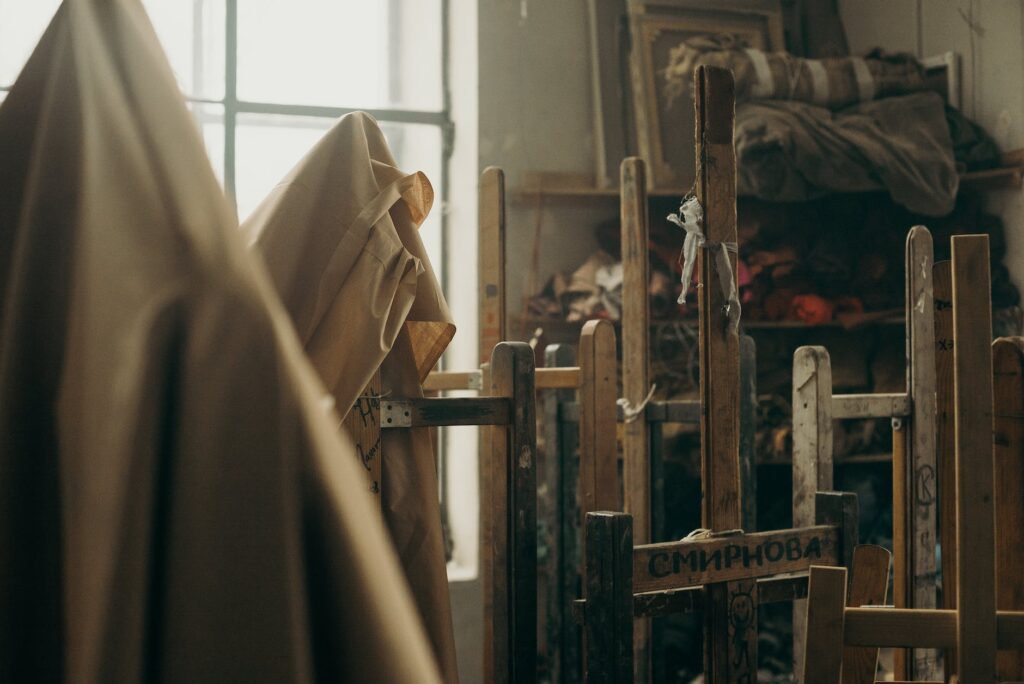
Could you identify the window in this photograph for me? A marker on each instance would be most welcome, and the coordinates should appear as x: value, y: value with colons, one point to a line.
x: 265, y: 79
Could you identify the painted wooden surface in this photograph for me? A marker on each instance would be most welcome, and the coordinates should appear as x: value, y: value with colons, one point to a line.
x: 636, y: 473
x: 869, y: 580
x: 728, y: 557
x: 609, y: 624
x: 972, y: 372
x: 945, y: 437
x: 1008, y: 445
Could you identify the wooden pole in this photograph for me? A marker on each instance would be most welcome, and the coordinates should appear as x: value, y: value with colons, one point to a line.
x: 868, y: 584
x: 1008, y: 438
x: 945, y: 438
x: 491, y: 264
x: 921, y: 464
x: 636, y: 373
x: 599, y: 466
x: 900, y: 538
x: 812, y: 454
x: 730, y: 636
x: 972, y: 366
x: 513, y: 640
x: 826, y: 594
x: 609, y: 574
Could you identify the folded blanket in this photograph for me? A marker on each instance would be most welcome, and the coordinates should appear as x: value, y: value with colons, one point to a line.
x: 793, y: 151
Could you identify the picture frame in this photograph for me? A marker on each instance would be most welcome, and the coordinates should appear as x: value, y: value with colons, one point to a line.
x: 664, y: 126
x: 614, y: 130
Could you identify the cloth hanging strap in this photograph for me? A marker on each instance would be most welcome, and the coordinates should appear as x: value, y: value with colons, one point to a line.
x: 691, y: 219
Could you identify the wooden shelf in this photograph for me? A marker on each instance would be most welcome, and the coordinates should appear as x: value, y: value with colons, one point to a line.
x: 557, y: 185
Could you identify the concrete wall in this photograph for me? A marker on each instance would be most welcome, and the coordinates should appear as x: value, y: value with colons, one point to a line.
x: 989, y: 37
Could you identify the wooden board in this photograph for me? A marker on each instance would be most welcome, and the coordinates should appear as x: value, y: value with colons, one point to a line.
x: 900, y: 539
x: 599, y: 462
x: 682, y: 564
x: 439, y: 412
x: 972, y: 367
x: 869, y: 581
x: 921, y: 463
x: 1008, y: 439
x: 945, y: 437
x: 491, y: 261
x: 636, y: 373
x: 513, y: 628
x: 826, y: 595
x: 363, y: 426
x: 730, y: 634
x: 812, y: 453
x: 609, y: 624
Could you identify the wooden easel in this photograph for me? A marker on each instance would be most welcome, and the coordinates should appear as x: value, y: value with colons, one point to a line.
x: 913, y: 413
x: 622, y: 580
x: 976, y: 628
x: 510, y: 554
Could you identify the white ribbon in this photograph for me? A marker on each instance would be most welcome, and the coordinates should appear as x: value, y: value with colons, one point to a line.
x: 629, y: 412
x: 691, y: 219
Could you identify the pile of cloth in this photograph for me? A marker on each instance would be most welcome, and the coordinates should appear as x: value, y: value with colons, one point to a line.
x: 177, y: 500
x: 808, y: 127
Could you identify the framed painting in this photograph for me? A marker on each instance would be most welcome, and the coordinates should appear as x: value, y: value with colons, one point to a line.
x: 664, y: 119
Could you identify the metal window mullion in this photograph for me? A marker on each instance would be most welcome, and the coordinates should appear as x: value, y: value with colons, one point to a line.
x: 230, y: 94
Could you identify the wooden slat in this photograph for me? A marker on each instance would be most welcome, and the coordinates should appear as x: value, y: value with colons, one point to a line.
x: 921, y: 463
x: 721, y: 559
x: 972, y: 359
x: 363, y: 426
x: 826, y: 593
x: 748, y: 432
x: 1008, y: 439
x: 847, y: 406
x: 869, y: 581
x: 945, y: 437
x: 900, y: 538
x: 636, y: 371
x: 431, y: 412
x: 609, y: 624
x: 812, y: 453
x: 491, y: 261
x: 515, y: 567
x: 923, y: 628
x: 562, y: 525
x: 599, y: 463
x: 730, y: 635
x: 445, y: 381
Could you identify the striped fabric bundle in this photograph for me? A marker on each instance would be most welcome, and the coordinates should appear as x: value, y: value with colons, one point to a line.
x: 834, y: 83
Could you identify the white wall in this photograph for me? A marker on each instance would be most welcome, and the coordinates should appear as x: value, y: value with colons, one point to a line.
x: 536, y: 115
x: 989, y: 37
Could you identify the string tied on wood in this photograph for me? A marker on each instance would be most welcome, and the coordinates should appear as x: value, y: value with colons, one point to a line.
x: 691, y: 219
x: 630, y: 412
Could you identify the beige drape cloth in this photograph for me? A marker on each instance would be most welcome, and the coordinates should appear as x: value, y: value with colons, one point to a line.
x: 340, y: 238
x: 175, y: 504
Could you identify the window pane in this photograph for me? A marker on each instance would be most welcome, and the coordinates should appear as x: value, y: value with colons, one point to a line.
x: 382, y: 54
x: 210, y: 118
x: 268, y: 146
x: 22, y: 23
x: 192, y: 34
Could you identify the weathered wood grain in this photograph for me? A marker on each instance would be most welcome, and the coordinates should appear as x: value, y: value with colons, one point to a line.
x: 609, y: 624
x: 599, y: 463
x: 1008, y: 439
x: 869, y: 580
x: 826, y: 598
x: 636, y: 471
x: 945, y: 437
x: 972, y: 368
x: 491, y: 261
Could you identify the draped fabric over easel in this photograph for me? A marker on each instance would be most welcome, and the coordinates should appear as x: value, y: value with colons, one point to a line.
x: 176, y: 505
x: 340, y: 239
